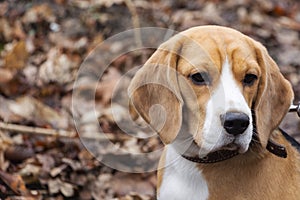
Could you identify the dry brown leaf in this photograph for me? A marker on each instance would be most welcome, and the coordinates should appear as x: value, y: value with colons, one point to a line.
x: 18, y: 30
x: 290, y: 23
x: 30, y: 173
x: 67, y: 189
x: 6, y: 114
x: 32, y: 109
x: 18, y: 153
x: 135, y: 196
x: 15, y: 182
x: 4, y: 164
x: 3, y: 7
x: 54, y: 186
x: 5, y: 29
x: 58, y: 68
x: 6, y: 75
x: 107, y: 85
x: 47, y: 162
x: 87, y: 4
x: 124, y: 184
x: 36, y: 197
x: 290, y: 56
x: 17, y: 57
x: 38, y: 13
x: 57, y: 170
x: 65, y: 42
x: 101, y: 184
x: 57, y: 185
x: 75, y: 165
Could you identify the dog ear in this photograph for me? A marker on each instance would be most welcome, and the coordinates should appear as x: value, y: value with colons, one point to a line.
x: 155, y: 94
x: 274, y: 96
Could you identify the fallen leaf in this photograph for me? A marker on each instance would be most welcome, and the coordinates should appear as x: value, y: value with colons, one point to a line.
x: 18, y: 153
x: 6, y: 114
x: 18, y: 30
x: 75, y: 165
x: 101, y: 184
x: 15, y: 182
x: 4, y: 164
x: 3, y: 8
x: 57, y: 185
x: 32, y: 109
x: 73, y: 28
x: 54, y: 186
x: 17, y: 57
x: 289, y: 56
x: 5, y: 29
x: 39, y: 12
x: 67, y: 189
x: 57, y: 170
x: 135, y: 196
x: 6, y: 75
x: 107, y: 85
x: 30, y: 173
x: 123, y: 184
x: 68, y: 43
x: 58, y: 67
x: 47, y: 162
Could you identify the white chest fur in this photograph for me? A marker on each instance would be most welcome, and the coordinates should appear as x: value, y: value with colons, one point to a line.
x: 182, y: 180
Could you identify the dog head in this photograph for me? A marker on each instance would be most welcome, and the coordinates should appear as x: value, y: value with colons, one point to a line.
x: 204, y: 84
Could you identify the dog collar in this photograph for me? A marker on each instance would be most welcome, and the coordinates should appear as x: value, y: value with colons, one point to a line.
x: 213, y: 157
x: 222, y: 155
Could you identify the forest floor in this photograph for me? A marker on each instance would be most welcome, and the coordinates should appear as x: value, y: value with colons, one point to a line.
x: 61, y: 62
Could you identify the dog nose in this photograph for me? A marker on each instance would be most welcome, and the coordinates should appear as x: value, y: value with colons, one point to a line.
x: 235, y: 123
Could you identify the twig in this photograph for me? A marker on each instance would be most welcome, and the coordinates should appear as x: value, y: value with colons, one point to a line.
x: 135, y: 22
x: 58, y: 133
x: 35, y: 130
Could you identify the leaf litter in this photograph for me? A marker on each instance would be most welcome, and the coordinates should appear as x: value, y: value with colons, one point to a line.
x: 42, y: 46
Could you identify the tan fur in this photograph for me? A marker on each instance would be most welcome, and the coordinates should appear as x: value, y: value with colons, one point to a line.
x: 257, y: 174
x: 162, y: 92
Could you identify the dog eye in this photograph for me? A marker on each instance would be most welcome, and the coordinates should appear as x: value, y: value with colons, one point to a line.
x: 249, y: 79
x: 200, y: 78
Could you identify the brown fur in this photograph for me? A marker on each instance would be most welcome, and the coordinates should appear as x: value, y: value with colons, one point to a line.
x: 257, y: 174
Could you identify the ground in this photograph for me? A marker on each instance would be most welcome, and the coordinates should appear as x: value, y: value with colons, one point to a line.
x: 49, y: 146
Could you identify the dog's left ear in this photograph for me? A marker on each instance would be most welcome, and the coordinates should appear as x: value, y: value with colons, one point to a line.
x: 154, y: 91
x: 274, y: 96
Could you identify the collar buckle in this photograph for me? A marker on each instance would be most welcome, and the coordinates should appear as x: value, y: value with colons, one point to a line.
x: 295, y: 108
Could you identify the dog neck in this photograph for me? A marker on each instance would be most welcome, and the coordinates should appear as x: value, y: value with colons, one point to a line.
x: 222, y: 155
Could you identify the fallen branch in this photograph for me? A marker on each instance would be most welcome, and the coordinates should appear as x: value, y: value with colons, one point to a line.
x: 135, y: 22
x: 59, y: 133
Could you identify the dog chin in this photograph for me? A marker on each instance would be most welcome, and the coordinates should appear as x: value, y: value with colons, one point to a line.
x: 233, y: 146
x: 243, y: 148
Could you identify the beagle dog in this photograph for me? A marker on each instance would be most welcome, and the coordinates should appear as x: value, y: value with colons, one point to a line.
x: 216, y: 99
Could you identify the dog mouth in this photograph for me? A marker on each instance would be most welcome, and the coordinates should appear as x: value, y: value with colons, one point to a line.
x: 230, y: 147
x: 234, y: 146
x: 240, y: 148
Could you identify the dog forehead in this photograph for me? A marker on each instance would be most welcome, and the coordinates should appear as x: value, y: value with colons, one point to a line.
x: 217, y: 34
x: 212, y: 46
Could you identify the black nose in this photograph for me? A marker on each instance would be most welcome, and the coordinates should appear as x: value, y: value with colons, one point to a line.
x: 235, y: 123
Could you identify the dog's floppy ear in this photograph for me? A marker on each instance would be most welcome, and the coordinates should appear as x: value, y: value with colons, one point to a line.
x: 155, y: 94
x: 274, y: 96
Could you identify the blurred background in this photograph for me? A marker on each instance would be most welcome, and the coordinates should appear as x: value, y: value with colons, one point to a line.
x: 42, y: 46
